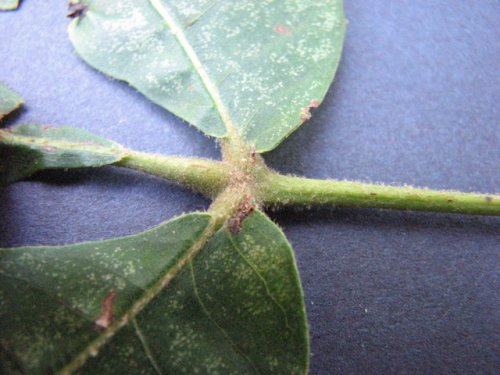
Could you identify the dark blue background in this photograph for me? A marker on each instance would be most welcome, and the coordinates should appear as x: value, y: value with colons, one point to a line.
x: 415, y: 101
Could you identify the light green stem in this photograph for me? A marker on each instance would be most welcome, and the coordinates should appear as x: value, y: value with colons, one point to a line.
x: 286, y: 190
x: 209, y: 177
x: 272, y: 189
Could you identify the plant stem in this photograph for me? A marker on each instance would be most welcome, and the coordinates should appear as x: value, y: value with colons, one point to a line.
x: 206, y: 176
x: 287, y: 190
x: 212, y: 177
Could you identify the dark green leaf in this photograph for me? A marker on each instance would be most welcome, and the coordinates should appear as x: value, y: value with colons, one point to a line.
x: 9, y: 100
x: 236, y: 309
x: 256, y: 67
x: 51, y: 296
x: 25, y: 149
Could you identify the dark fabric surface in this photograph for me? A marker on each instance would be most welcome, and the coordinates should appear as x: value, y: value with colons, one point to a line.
x: 415, y: 101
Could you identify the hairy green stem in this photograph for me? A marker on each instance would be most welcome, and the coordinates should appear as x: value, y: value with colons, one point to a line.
x: 209, y: 177
x: 272, y: 189
x: 287, y: 190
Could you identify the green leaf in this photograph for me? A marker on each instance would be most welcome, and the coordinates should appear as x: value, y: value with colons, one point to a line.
x: 9, y: 100
x: 51, y: 296
x: 236, y: 309
x: 9, y: 4
x: 25, y: 149
x: 255, y: 67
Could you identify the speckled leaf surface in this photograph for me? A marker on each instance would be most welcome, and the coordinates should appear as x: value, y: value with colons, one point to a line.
x: 9, y: 100
x: 50, y: 296
x: 254, y: 66
x: 25, y: 149
x: 236, y: 309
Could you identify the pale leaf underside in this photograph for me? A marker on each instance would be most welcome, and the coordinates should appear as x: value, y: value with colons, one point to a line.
x: 255, y: 66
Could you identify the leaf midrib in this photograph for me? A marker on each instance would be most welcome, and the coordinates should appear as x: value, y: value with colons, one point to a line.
x: 6, y: 137
x: 198, y: 67
x: 92, y: 348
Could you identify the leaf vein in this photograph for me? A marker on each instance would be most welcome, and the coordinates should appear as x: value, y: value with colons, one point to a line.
x: 210, y: 86
x: 264, y: 282
x: 212, y: 320
x: 40, y: 141
x: 93, y: 347
x: 145, y: 346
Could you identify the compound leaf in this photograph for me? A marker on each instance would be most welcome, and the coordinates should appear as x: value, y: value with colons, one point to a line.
x: 256, y: 67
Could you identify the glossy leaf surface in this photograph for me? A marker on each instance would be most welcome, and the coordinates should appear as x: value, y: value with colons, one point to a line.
x: 236, y: 309
x: 9, y: 100
x: 254, y: 66
x: 25, y: 149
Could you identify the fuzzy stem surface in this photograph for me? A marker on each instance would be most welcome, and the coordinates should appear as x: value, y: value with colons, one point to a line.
x: 208, y: 177
x: 211, y: 178
x: 296, y: 191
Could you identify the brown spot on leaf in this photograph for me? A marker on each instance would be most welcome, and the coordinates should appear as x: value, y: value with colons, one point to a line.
x: 76, y: 9
x: 373, y: 194
x: 488, y: 199
x: 245, y: 208
x: 306, y: 111
x: 105, y: 318
x: 198, y: 166
x: 280, y: 29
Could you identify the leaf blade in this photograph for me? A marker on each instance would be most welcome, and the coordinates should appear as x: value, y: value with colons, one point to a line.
x: 9, y: 99
x: 267, y: 69
x: 28, y: 148
x: 65, y: 307
x: 242, y: 330
x: 238, y: 330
